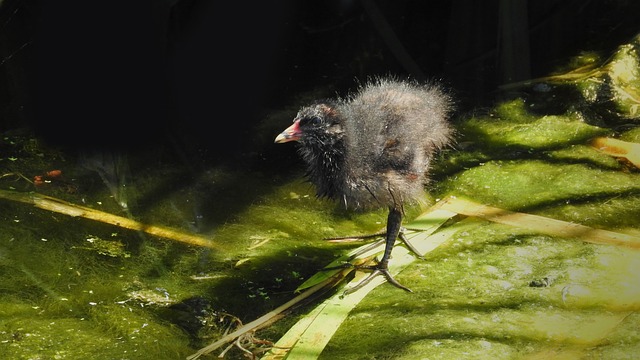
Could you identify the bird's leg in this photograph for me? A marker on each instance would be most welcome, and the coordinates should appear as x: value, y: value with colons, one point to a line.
x: 394, y: 222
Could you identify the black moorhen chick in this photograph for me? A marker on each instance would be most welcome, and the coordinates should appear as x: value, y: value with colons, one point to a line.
x: 373, y: 149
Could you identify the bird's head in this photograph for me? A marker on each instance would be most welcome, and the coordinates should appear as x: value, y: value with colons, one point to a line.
x: 318, y: 122
x: 318, y: 129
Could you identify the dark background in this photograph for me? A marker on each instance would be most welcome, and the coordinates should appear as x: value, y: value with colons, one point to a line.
x: 201, y: 75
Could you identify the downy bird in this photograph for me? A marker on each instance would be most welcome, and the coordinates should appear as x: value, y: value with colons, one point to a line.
x: 373, y: 149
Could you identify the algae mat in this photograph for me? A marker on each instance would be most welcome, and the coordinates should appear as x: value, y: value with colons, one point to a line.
x: 75, y: 288
x: 307, y: 339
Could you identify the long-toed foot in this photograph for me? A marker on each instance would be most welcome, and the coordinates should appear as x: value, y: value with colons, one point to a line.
x: 376, y: 270
x: 401, y: 236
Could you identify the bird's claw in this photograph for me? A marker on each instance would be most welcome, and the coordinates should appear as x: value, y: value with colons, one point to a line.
x: 401, y: 236
x: 409, y: 246
x: 377, y: 270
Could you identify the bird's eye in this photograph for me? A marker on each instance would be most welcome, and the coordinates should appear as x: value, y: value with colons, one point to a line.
x: 311, y: 120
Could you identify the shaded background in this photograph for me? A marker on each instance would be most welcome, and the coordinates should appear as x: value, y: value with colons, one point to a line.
x: 197, y: 77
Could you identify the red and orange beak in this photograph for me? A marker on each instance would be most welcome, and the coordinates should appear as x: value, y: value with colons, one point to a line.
x: 292, y: 133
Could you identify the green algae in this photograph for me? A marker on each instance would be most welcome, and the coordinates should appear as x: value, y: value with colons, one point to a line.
x: 63, y: 297
x: 583, y: 154
x: 520, y: 184
x: 491, y: 291
x: 474, y: 298
x: 513, y: 127
x: 28, y: 333
x: 632, y: 135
